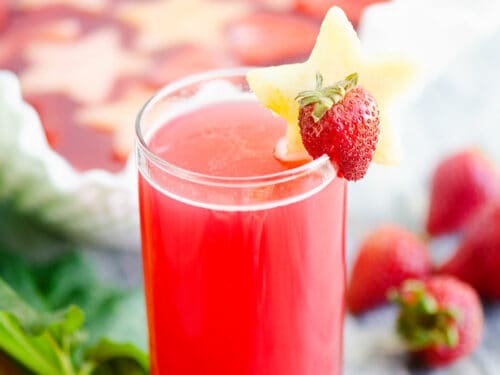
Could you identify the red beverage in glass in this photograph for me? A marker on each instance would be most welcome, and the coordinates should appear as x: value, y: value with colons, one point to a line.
x: 243, y: 255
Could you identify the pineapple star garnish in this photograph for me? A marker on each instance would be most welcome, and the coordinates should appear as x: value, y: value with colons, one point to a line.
x: 337, y: 54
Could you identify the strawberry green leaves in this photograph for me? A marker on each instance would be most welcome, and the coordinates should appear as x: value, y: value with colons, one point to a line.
x: 324, y: 98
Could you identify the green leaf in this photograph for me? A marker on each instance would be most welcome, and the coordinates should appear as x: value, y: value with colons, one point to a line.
x: 319, y: 110
x: 33, y: 353
x: 27, y: 336
x: 319, y: 81
x: 11, y: 303
x: 121, y: 319
x: 16, y: 272
x: 54, y: 331
x: 112, y: 312
x: 26, y: 233
x: 69, y: 279
x: 60, y: 322
x: 324, y: 98
x: 43, y: 342
x: 113, y: 358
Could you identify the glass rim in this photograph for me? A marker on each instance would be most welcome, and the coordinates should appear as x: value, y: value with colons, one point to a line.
x: 203, y: 178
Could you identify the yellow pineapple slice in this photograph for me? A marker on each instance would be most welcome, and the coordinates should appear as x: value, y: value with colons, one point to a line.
x: 337, y: 54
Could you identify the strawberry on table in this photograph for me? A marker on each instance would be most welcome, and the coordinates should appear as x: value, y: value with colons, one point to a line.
x: 461, y: 184
x: 268, y: 38
x: 387, y: 257
x: 477, y: 260
x: 440, y: 319
x: 337, y: 54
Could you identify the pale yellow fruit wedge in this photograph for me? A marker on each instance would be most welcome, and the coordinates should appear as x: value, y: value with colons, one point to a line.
x: 337, y: 53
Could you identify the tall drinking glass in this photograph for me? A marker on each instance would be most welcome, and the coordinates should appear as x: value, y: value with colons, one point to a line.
x: 243, y: 254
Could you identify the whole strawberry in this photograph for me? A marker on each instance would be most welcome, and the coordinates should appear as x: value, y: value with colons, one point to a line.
x: 387, y: 257
x: 461, y: 184
x: 341, y: 121
x: 440, y: 319
x: 477, y: 260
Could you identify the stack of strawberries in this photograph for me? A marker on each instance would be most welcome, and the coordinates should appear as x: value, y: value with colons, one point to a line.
x: 440, y: 313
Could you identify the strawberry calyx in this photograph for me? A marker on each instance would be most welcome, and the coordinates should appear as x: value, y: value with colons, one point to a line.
x: 324, y: 98
x: 421, y: 322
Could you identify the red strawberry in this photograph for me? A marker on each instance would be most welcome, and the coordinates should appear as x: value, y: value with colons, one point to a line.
x: 341, y: 121
x: 318, y: 8
x: 270, y: 38
x: 477, y: 260
x: 461, y: 184
x: 387, y: 257
x: 440, y: 319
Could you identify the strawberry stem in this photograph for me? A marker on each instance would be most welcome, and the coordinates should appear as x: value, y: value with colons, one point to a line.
x: 324, y: 98
x: 421, y: 321
x: 319, y: 81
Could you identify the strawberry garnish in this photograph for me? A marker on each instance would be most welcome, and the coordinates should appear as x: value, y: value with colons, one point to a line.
x: 440, y: 319
x: 341, y: 121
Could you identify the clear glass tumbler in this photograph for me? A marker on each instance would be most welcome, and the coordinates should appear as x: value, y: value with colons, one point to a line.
x: 244, y: 274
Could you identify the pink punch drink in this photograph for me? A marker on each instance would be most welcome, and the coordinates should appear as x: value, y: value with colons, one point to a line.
x: 243, y: 254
